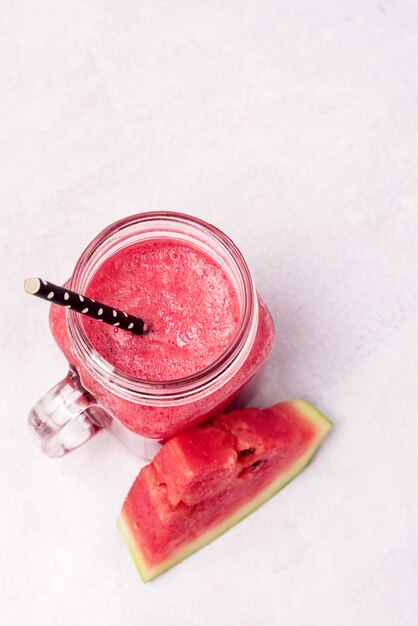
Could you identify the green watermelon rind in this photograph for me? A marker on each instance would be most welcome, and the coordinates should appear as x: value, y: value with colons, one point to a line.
x: 323, y: 426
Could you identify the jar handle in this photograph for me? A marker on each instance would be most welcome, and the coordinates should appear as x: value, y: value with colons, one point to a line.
x: 66, y: 417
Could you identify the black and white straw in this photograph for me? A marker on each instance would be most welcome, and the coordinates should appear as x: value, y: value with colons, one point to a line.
x: 82, y: 304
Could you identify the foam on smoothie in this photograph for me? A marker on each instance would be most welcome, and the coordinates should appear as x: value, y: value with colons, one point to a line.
x: 183, y: 295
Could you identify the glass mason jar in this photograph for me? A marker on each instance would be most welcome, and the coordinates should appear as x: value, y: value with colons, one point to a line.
x: 95, y: 395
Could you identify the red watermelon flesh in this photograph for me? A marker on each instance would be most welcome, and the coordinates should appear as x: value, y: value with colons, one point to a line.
x: 206, y: 479
x: 194, y: 464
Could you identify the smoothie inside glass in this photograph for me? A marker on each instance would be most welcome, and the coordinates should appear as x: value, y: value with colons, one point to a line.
x: 189, y: 305
x: 208, y: 333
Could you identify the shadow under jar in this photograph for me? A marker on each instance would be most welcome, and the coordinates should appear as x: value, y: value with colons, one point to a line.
x: 208, y: 334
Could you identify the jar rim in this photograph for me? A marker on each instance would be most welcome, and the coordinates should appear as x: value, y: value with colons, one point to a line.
x: 201, y: 382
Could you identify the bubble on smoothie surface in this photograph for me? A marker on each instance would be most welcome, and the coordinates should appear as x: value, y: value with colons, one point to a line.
x: 183, y: 295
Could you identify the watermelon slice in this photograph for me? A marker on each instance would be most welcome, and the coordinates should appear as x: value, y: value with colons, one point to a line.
x: 206, y: 479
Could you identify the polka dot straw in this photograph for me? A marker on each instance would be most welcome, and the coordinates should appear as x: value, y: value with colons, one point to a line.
x: 82, y: 304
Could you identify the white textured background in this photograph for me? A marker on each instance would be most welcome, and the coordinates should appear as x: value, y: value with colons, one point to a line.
x: 293, y: 126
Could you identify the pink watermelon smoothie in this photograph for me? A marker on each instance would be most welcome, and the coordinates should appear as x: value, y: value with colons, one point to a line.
x: 193, y: 314
x: 184, y: 297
